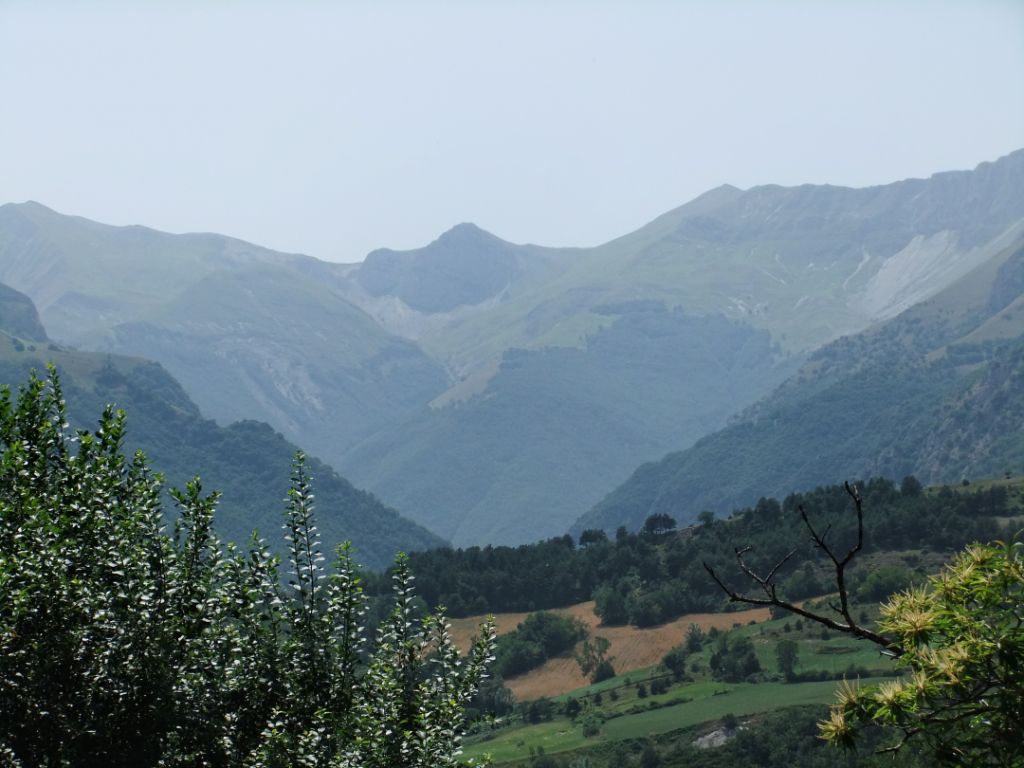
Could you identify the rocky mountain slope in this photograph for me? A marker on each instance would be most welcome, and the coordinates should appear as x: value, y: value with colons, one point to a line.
x: 937, y: 392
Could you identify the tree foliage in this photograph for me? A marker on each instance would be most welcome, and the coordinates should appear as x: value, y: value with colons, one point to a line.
x: 962, y: 641
x: 658, y: 523
x: 592, y: 658
x: 733, y: 660
x: 675, y: 660
x: 960, y: 638
x: 787, y: 653
x: 123, y: 644
x: 540, y: 636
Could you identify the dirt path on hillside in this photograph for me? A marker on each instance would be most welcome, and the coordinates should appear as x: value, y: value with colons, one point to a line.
x: 631, y: 648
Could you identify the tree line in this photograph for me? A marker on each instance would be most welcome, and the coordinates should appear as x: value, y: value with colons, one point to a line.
x: 656, y: 574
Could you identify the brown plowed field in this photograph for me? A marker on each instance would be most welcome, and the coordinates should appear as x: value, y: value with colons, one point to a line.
x: 630, y: 649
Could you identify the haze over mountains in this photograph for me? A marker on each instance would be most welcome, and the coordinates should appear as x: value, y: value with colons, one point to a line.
x: 247, y: 461
x: 495, y: 392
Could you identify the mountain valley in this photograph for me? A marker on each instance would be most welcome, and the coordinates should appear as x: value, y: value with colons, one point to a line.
x: 495, y: 392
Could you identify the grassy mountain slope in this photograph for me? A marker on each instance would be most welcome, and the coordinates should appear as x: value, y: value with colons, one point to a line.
x: 248, y: 461
x: 557, y: 428
x: 85, y: 276
x: 251, y: 333
x: 937, y: 392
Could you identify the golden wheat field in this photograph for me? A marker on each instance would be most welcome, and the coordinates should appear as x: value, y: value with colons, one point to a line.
x: 631, y: 648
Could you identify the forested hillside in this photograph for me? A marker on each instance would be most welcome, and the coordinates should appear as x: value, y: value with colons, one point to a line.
x: 247, y: 461
x: 937, y: 392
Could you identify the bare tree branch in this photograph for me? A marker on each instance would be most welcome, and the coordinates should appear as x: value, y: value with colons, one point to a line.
x: 768, y: 584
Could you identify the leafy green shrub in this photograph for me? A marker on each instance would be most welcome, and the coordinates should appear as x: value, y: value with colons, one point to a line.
x: 734, y: 661
x: 961, y: 639
x: 610, y: 605
x: 539, y: 710
x: 675, y: 660
x: 123, y: 645
x: 541, y: 636
x: 591, y: 721
x: 603, y: 671
x: 694, y: 638
x: 572, y: 707
x: 884, y: 581
x: 787, y: 653
x: 658, y: 685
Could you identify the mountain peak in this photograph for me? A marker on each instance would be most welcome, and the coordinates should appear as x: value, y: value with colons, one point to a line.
x: 29, y: 205
x: 467, y: 233
x: 723, y: 193
x: 465, y: 265
x: 29, y: 209
x: 465, y: 227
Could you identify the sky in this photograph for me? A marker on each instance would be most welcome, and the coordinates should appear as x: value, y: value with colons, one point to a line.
x: 333, y: 128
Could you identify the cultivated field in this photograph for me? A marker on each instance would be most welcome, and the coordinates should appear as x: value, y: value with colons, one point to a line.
x: 703, y: 702
x: 631, y: 648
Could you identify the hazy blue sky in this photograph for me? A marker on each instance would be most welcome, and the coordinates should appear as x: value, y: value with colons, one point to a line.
x: 333, y: 128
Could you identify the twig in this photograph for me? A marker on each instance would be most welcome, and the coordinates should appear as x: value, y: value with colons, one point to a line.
x: 768, y: 585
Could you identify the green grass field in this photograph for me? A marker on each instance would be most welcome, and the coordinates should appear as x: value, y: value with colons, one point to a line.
x: 629, y: 715
x: 709, y: 702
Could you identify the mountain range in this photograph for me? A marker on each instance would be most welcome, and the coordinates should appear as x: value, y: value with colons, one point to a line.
x: 496, y: 392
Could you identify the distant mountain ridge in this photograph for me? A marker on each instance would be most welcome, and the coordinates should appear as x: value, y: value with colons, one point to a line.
x: 803, y: 264
x: 807, y: 263
x: 250, y: 333
x: 384, y: 368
